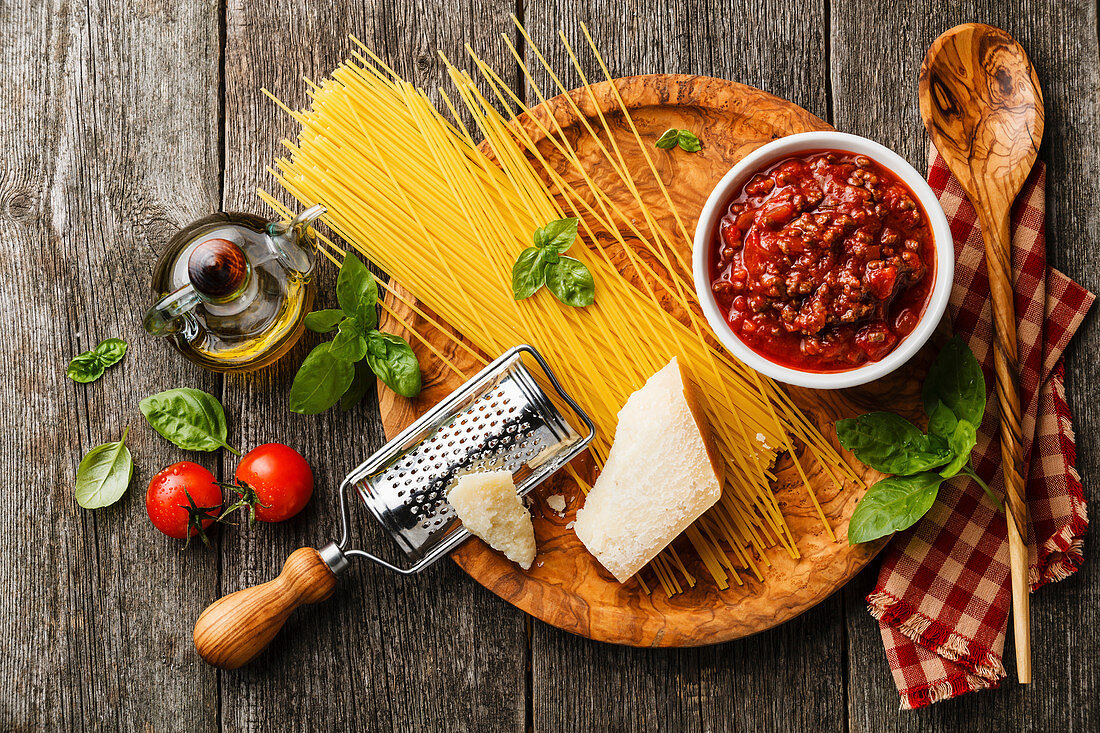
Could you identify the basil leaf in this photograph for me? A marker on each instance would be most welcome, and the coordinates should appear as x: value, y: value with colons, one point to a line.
x: 541, y: 238
x: 110, y: 351
x: 190, y: 418
x: 571, y: 282
x: 892, y: 505
x: 668, y: 139
x: 89, y: 366
x: 351, y: 343
x: 529, y: 273
x: 85, y: 368
x: 889, y: 443
x: 360, y: 384
x: 324, y: 321
x: 558, y: 235
x: 398, y: 368
x: 104, y: 474
x: 939, y: 444
x: 962, y: 441
x: 687, y: 141
x: 955, y: 380
x: 941, y: 421
x: 357, y: 292
x: 320, y: 381
x: 376, y: 346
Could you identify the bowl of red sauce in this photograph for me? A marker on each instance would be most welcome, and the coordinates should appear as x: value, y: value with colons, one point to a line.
x: 823, y: 260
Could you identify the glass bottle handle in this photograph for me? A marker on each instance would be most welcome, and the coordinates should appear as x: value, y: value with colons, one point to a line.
x: 307, y: 217
x: 292, y: 244
x: 172, y: 314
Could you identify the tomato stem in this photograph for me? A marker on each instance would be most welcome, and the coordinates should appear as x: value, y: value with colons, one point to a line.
x: 247, y: 498
x: 195, y: 517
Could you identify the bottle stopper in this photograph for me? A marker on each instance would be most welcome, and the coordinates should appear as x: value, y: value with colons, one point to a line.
x: 217, y: 269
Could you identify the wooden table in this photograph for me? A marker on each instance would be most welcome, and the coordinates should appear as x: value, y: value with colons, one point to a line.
x: 123, y: 121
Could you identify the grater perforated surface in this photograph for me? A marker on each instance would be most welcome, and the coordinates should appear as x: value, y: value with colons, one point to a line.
x: 501, y: 419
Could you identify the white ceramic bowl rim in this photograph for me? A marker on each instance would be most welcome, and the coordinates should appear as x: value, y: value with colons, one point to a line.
x: 715, y: 208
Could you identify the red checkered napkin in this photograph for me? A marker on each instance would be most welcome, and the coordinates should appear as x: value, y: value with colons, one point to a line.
x: 944, y: 592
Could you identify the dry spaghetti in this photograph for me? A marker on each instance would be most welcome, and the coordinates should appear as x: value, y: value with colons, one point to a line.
x: 447, y: 221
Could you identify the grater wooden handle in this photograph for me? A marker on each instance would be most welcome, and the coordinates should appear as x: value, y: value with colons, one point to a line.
x: 234, y: 629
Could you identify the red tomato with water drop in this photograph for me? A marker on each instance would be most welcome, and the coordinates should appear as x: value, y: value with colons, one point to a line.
x: 183, y: 500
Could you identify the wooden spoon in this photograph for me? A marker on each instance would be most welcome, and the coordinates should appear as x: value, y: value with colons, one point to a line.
x: 982, y: 105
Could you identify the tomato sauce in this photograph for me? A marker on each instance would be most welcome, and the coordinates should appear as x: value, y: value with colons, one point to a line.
x: 823, y: 262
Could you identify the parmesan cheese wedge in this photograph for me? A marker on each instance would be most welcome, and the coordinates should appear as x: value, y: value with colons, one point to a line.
x: 662, y: 473
x: 488, y: 505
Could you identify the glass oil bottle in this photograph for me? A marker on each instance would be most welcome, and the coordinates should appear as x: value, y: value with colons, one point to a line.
x: 231, y: 290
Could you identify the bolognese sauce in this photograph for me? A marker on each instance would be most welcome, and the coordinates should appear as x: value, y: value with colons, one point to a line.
x: 824, y: 261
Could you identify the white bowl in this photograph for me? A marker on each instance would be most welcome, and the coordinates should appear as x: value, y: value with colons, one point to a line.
x: 805, y: 142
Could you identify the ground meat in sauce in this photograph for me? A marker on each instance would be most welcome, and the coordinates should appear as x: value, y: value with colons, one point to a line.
x: 823, y: 262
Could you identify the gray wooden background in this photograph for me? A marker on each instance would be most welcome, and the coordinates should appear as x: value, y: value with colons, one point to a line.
x: 121, y: 120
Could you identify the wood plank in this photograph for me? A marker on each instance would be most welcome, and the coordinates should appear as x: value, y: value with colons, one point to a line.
x: 423, y: 653
x: 1061, y: 40
x: 109, y: 142
x: 580, y: 685
x: 115, y: 144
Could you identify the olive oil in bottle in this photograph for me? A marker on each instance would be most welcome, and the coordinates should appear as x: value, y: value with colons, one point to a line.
x: 232, y: 290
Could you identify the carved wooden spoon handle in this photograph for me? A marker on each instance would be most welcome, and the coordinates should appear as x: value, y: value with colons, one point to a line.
x: 998, y: 244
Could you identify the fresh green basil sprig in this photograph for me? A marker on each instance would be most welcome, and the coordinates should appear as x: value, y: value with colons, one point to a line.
x: 544, y: 264
x: 334, y: 371
x: 90, y: 365
x: 686, y: 139
x: 104, y: 474
x: 954, y: 400
x: 190, y: 418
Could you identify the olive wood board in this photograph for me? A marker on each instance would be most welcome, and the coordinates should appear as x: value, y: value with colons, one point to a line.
x: 566, y: 586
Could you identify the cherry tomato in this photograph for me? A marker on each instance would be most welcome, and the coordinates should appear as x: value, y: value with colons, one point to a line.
x: 183, y: 500
x: 275, y: 480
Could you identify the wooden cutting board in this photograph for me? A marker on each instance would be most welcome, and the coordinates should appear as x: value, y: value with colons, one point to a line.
x: 566, y: 586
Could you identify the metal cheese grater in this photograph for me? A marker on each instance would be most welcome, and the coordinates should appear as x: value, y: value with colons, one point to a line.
x: 501, y: 419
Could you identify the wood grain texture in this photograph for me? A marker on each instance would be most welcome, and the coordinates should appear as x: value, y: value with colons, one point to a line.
x: 750, y: 684
x: 110, y: 140
x: 567, y: 587
x: 385, y: 652
x: 236, y: 628
x: 1061, y: 42
x: 101, y: 103
x: 983, y: 109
